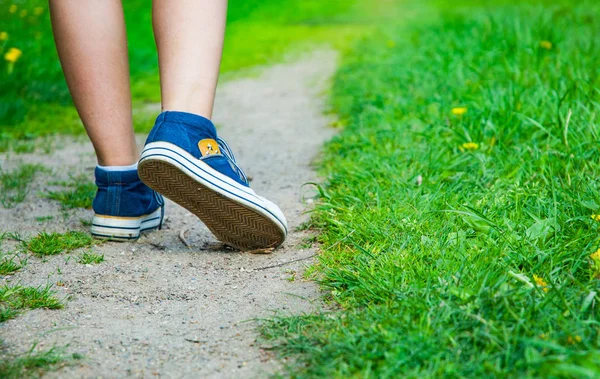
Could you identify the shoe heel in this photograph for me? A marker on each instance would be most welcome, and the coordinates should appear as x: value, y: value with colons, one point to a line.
x: 115, y: 228
x: 126, y: 228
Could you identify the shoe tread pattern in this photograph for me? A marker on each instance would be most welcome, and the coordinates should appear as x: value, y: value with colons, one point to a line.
x: 231, y: 222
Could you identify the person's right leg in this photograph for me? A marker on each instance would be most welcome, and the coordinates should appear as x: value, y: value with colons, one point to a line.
x: 189, y: 37
x: 184, y: 159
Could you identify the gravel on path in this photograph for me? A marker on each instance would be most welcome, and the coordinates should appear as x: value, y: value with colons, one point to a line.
x: 156, y: 307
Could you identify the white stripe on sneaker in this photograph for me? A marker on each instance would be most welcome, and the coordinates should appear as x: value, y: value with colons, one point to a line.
x: 124, y: 228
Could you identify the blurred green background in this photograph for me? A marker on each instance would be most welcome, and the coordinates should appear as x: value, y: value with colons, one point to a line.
x: 34, y: 99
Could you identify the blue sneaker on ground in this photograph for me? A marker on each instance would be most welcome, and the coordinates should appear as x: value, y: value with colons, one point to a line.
x: 186, y: 161
x: 124, y: 206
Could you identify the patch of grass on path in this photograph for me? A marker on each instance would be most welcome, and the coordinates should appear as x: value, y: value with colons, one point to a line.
x: 10, y: 263
x: 14, y: 299
x: 80, y: 194
x: 457, y: 229
x: 55, y: 243
x: 33, y: 363
x: 14, y: 184
x: 90, y: 258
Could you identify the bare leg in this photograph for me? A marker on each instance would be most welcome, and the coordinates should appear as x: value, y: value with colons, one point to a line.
x: 92, y: 45
x: 189, y: 36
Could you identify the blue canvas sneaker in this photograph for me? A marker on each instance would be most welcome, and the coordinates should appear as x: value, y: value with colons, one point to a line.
x: 186, y: 161
x: 124, y: 206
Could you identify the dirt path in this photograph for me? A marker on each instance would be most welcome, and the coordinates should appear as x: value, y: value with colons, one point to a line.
x: 157, y: 307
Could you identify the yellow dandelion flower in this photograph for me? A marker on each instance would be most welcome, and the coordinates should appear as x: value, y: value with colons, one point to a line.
x: 12, y: 8
x: 596, y: 256
x: 596, y: 217
x: 459, y: 111
x: 546, y: 45
x: 23, y: 13
x: 470, y: 146
x: 38, y: 11
x: 571, y: 340
x: 13, y: 54
x: 541, y: 282
x: 3, y: 36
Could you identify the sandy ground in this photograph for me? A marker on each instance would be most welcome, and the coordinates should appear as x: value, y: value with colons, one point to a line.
x: 157, y: 308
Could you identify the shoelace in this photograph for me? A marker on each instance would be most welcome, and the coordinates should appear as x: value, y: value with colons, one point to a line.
x: 227, y: 153
x: 159, y: 199
x: 161, y: 202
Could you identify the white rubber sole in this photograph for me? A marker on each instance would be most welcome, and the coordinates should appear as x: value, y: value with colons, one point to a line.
x: 234, y: 213
x: 125, y: 228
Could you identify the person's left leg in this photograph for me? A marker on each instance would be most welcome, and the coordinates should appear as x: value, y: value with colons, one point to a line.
x: 91, y: 42
x: 92, y: 46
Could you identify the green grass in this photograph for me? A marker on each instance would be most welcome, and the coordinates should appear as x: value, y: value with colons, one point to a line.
x: 86, y: 223
x: 14, y: 184
x: 33, y: 363
x: 482, y: 267
x: 307, y: 242
x: 90, y: 258
x: 10, y: 263
x: 55, y: 243
x: 80, y: 193
x: 34, y: 99
x: 14, y: 299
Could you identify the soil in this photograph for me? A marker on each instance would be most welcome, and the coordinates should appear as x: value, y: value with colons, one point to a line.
x: 157, y: 307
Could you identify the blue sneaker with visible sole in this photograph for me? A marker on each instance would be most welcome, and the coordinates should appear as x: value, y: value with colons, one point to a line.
x: 187, y: 162
x: 124, y: 206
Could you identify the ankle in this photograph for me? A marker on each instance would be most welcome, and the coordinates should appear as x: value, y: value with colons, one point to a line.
x: 194, y: 120
x: 125, y: 157
x: 119, y: 168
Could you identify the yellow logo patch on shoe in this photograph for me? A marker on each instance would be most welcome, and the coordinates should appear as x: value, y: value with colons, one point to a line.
x: 208, y: 147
